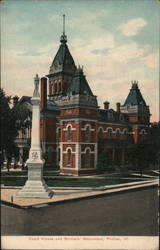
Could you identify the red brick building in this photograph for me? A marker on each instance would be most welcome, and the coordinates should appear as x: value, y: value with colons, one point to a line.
x: 74, y: 130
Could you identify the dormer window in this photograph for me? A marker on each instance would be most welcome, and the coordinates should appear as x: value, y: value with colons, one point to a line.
x: 110, y: 115
x: 121, y: 117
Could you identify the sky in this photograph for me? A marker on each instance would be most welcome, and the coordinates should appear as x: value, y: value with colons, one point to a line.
x: 116, y: 41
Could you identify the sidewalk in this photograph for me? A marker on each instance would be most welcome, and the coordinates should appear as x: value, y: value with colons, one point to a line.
x: 62, y: 195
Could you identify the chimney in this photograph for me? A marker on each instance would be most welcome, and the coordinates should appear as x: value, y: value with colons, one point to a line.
x: 15, y: 100
x: 106, y: 105
x: 118, y: 107
x: 43, y: 92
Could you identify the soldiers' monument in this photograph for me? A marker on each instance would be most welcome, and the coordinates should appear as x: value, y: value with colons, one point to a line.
x: 35, y: 186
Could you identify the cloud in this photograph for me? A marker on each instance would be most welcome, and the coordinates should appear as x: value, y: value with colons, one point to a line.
x: 132, y: 27
x: 109, y: 73
x: 151, y: 60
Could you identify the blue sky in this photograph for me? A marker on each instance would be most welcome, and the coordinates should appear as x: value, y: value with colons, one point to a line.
x: 116, y: 42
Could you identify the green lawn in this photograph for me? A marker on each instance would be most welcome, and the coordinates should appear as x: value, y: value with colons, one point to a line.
x: 60, y: 181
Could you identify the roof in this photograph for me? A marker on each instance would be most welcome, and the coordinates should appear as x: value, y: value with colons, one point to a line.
x: 52, y: 105
x: 63, y: 61
x: 109, y: 115
x: 24, y: 99
x: 135, y: 97
x: 79, y: 84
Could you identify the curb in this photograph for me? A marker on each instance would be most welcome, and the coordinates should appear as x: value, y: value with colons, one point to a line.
x: 130, y: 189
x: 7, y: 203
x: 88, y: 197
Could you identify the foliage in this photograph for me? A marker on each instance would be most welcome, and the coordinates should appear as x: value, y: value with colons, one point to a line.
x: 7, y: 126
x: 23, y: 116
x: 104, y: 161
x: 142, y: 155
x: 12, y: 120
x: 155, y: 142
x: 137, y: 156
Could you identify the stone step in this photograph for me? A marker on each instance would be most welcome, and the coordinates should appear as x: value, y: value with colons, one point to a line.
x: 35, y: 195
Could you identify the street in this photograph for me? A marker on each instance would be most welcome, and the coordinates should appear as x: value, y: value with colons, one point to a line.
x: 131, y: 213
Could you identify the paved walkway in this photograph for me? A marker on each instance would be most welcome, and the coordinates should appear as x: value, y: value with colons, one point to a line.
x: 63, y: 195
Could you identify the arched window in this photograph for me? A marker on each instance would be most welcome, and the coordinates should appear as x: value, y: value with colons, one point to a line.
x: 69, y: 133
x: 55, y: 87
x: 69, y: 156
x: 109, y: 132
x: 87, y: 134
x: 100, y: 131
x: 143, y: 132
x: 87, y: 158
x: 125, y: 131
x: 117, y: 132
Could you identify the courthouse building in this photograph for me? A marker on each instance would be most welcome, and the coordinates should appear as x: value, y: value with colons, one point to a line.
x: 74, y: 129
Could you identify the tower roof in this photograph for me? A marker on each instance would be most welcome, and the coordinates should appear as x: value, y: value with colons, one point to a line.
x: 63, y: 61
x: 134, y: 97
x: 79, y: 84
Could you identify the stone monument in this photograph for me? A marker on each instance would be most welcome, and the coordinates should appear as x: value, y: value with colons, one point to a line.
x: 35, y: 186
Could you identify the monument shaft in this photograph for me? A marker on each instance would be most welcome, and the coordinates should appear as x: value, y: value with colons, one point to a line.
x: 35, y: 186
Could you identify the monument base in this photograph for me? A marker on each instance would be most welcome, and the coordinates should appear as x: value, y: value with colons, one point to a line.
x: 35, y: 186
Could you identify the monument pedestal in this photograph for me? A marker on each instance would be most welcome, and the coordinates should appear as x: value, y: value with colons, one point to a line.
x: 35, y: 186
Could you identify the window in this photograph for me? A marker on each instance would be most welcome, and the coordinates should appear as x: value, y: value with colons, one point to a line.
x: 118, y: 132
x: 121, y: 117
x: 87, y: 134
x: 143, y: 131
x: 69, y: 156
x: 87, y: 158
x: 69, y: 133
x: 125, y: 131
x: 59, y: 154
x: 50, y: 153
x: 59, y: 87
x: 55, y: 87
x: 69, y: 111
x: 109, y: 132
x: 100, y: 131
x: 59, y: 133
x: 110, y: 115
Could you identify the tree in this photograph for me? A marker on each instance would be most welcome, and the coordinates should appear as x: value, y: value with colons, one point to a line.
x: 23, y: 114
x: 104, y: 157
x: 7, y: 127
x: 141, y: 155
x: 155, y: 143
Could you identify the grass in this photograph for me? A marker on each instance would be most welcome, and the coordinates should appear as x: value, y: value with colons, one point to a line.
x: 69, y: 182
